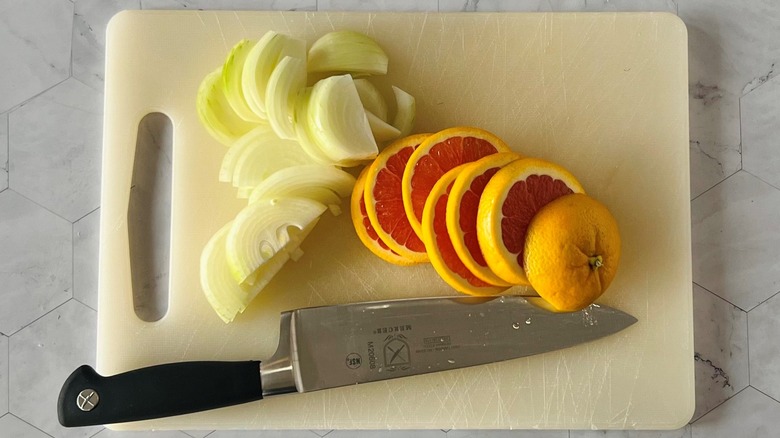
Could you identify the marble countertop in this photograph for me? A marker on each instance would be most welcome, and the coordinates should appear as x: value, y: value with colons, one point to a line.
x: 51, y: 81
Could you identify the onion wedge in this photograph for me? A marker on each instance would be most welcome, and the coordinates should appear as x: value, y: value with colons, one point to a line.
x: 347, y: 51
x: 405, y: 111
x: 324, y: 184
x: 215, y: 112
x: 284, y: 84
x: 263, y: 229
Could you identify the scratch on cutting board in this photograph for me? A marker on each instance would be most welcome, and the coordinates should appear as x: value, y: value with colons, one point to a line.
x: 240, y: 23
x: 221, y: 32
x: 417, y: 46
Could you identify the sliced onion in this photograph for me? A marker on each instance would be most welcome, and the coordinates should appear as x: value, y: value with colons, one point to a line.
x: 260, y: 64
x: 263, y: 157
x: 263, y: 229
x: 259, y: 134
x: 371, y: 98
x: 381, y: 130
x: 337, y: 121
x: 222, y: 291
x: 284, y: 84
x: 302, y: 133
x: 347, y: 51
x: 405, y: 112
x: 216, y: 114
x: 324, y: 184
x: 231, y: 79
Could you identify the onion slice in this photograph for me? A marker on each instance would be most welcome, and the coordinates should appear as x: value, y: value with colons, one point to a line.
x: 263, y: 229
x: 347, y: 51
x: 260, y: 64
x: 215, y: 112
x: 231, y: 79
x: 371, y: 98
x: 324, y: 184
x: 381, y: 130
x: 338, y: 123
x: 284, y: 84
x: 264, y: 156
x: 405, y: 111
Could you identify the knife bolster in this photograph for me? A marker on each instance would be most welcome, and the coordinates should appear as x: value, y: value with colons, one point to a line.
x: 277, y: 375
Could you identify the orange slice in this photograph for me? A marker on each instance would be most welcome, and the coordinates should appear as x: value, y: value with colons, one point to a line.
x: 462, y: 207
x: 510, y: 200
x: 438, y: 154
x: 437, y: 240
x: 385, y: 203
x: 363, y: 227
x: 572, y: 251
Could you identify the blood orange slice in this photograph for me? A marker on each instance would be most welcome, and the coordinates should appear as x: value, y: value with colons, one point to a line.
x: 437, y: 240
x: 438, y: 154
x: 363, y: 227
x: 510, y: 200
x: 462, y: 207
x: 384, y: 199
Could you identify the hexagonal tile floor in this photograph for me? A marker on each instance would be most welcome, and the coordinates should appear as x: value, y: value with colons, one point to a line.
x: 51, y: 81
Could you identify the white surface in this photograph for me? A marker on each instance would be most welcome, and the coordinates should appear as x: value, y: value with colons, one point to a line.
x: 612, y: 107
x: 711, y: 42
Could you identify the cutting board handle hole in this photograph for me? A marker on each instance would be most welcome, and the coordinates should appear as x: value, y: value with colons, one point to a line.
x: 149, y: 216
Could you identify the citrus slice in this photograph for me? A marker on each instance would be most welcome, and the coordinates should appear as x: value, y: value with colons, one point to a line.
x: 572, y: 251
x: 438, y: 154
x: 365, y: 230
x: 462, y: 207
x: 384, y: 199
x: 510, y: 200
x: 437, y: 240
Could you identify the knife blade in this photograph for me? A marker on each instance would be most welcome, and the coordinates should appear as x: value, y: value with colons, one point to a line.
x: 333, y: 346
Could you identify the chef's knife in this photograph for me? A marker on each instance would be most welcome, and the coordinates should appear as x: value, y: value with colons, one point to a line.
x: 328, y: 347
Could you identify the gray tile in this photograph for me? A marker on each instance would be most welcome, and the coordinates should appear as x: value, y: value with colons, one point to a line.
x: 721, y: 350
x: 736, y: 240
x: 85, y: 258
x: 89, y: 37
x: 3, y: 375
x: 272, y: 5
x: 42, y: 356
x: 507, y: 434
x: 732, y: 44
x: 263, y: 434
x: 714, y: 136
x: 748, y: 414
x: 377, y: 5
x: 34, y: 47
x: 3, y: 151
x: 54, y: 149
x: 761, y: 132
x: 684, y: 432
x: 13, y: 427
x: 198, y: 433
x: 106, y: 433
x: 764, y: 328
x: 35, y: 261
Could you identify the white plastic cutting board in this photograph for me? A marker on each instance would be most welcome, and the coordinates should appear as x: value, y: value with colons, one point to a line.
x: 603, y: 94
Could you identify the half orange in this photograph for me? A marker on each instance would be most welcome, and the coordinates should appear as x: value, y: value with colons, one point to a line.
x: 508, y: 204
x: 437, y: 240
x: 385, y: 203
x: 462, y: 208
x: 365, y: 231
x: 438, y: 154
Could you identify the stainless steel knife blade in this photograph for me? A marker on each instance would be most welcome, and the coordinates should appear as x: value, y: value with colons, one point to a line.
x: 332, y: 346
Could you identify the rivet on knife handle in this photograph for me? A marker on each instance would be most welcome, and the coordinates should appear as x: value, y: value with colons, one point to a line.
x: 88, y: 398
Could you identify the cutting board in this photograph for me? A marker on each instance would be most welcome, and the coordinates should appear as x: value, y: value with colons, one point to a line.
x: 605, y: 95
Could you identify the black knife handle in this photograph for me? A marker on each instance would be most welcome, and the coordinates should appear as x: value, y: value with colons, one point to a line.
x: 157, y: 391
